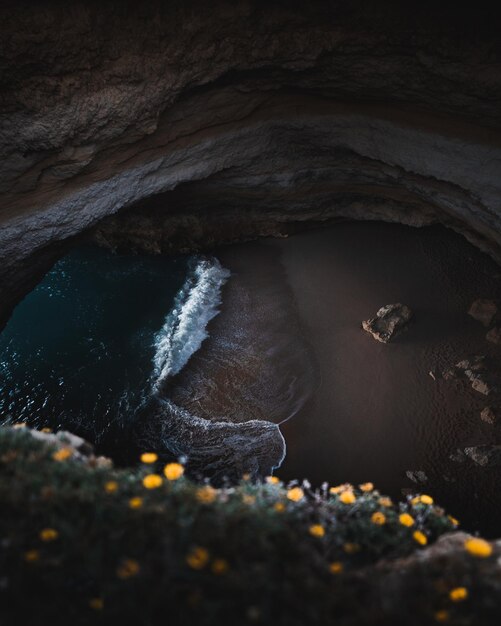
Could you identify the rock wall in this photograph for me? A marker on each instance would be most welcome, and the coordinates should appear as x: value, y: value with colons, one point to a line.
x: 222, y: 120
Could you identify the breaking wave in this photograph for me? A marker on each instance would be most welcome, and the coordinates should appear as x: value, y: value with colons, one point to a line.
x: 185, y: 327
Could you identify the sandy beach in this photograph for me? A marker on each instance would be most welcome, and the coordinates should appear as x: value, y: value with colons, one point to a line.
x: 291, y: 319
x: 376, y: 411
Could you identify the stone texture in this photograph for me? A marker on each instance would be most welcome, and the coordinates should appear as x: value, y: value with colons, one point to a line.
x: 489, y: 415
x: 485, y: 455
x: 273, y: 109
x: 389, y: 321
x: 82, y: 450
x: 477, y: 372
x: 483, y: 311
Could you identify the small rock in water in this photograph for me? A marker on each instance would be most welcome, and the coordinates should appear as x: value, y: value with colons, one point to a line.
x: 389, y: 320
x: 417, y: 476
x: 486, y: 455
x: 494, y: 335
x: 483, y: 311
x: 488, y: 415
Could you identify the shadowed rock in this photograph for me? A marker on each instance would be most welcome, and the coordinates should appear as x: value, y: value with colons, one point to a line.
x: 488, y: 415
x: 283, y: 113
x: 475, y: 370
x: 389, y: 320
x: 486, y: 455
x: 483, y: 311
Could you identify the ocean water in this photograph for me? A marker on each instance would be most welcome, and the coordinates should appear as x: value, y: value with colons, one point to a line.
x: 252, y: 359
x: 87, y: 348
x: 110, y: 347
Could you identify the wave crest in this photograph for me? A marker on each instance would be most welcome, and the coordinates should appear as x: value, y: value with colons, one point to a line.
x: 185, y: 327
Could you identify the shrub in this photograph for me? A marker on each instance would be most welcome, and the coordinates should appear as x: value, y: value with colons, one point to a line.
x: 145, y: 545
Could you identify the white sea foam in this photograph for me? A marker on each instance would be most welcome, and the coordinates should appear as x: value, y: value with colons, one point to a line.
x: 185, y: 327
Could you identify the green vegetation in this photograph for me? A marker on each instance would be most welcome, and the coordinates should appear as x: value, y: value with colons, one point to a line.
x: 83, y: 544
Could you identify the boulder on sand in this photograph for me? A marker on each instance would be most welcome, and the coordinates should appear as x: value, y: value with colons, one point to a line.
x: 389, y: 320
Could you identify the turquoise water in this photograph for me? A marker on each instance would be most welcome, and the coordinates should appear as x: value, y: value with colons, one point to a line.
x: 78, y: 350
x: 116, y: 349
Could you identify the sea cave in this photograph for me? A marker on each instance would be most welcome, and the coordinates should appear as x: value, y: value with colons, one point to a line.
x: 250, y: 312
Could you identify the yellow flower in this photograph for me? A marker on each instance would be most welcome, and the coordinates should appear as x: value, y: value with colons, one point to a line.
x: 366, y: 487
x: 206, y: 494
x: 31, y: 556
x: 458, y: 594
x: 442, y: 616
x: 248, y: 499
x: 279, y: 507
x: 49, y: 534
x: 453, y: 520
x: 19, y: 425
x: 149, y: 457
x: 426, y: 499
x: 46, y: 430
x: 219, y: 566
x: 96, y: 603
x: 152, y: 481
x: 406, y: 520
x: 351, y: 548
x: 62, y: 454
x: 336, y: 567
x: 478, y: 547
x: 198, y: 558
x: 420, y: 537
x: 173, y: 471
x: 272, y: 480
x: 339, y: 488
x: 336, y: 490
x: 127, y: 569
x: 423, y: 499
x: 347, y: 497
x: 385, y: 501
x: 295, y: 494
x: 246, y: 476
x: 378, y: 518
x: 135, y: 503
x: 316, y: 530
x: 111, y: 486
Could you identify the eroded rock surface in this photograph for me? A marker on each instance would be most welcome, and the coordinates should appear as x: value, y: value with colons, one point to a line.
x: 389, y: 320
x: 241, y: 118
x: 80, y: 449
